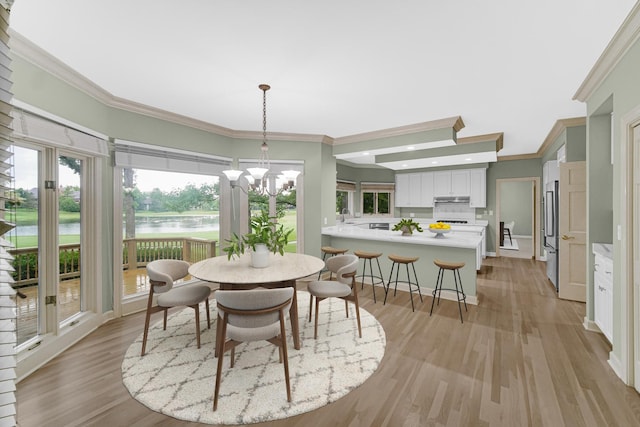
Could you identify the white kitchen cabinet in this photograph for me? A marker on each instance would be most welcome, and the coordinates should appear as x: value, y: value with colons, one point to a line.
x: 460, y: 182
x: 408, y: 192
x: 402, y: 190
x: 442, y: 183
x: 451, y: 183
x: 427, y: 189
x: 603, y: 295
x: 414, y: 190
x: 478, y: 188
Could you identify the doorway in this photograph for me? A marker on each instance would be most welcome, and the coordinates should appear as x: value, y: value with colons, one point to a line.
x: 630, y: 246
x: 57, y: 300
x: 516, y: 208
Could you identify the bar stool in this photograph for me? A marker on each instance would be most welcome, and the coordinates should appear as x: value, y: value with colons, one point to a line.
x: 397, y: 260
x: 455, y: 268
x: 331, y: 251
x: 368, y: 256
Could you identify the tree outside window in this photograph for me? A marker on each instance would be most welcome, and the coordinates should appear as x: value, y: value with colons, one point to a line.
x: 376, y: 203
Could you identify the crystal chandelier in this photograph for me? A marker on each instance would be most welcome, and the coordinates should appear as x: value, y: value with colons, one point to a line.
x: 259, y: 174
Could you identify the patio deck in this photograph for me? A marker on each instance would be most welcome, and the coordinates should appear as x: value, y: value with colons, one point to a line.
x: 135, y: 281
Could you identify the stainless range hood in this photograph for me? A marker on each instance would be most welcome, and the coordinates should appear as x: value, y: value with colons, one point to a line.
x: 452, y: 199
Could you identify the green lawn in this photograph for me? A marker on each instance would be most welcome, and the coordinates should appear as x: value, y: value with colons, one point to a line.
x: 30, y: 217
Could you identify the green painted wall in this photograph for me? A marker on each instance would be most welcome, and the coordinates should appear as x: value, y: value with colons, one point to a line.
x: 503, y: 170
x: 576, y: 143
x: 551, y: 152
x: 516, y: 205
x: 621, y: 91
x: 36, y: 87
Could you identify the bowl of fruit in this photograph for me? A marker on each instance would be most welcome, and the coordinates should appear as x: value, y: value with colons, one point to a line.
x: 440, y: 229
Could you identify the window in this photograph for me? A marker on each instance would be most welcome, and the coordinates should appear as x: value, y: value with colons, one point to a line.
x: 169, y: 202
x: 287, y: 206
x: 377, y: 199
x: 344, y: 197
x: 166, y: 215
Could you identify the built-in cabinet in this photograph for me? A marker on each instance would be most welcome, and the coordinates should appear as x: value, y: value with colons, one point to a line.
x: 478, y: 188
x: 418, y: 189
x: 603, y: 295
x: 409, y: 190
x: 426, y: 179
x: 451, y: 183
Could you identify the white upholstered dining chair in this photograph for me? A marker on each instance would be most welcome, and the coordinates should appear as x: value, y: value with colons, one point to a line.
x: 253, y: 315
x: 508, y: 230
x: 162, y: 275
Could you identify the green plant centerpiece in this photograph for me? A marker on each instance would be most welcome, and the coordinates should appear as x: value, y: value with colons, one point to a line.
x: 407, y: 226
x: 266, y: 236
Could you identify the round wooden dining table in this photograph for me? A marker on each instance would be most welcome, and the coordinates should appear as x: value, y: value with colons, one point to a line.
x: 282, y: 271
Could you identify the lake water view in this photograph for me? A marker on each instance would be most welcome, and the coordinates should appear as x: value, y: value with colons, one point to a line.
x: 144, y: 225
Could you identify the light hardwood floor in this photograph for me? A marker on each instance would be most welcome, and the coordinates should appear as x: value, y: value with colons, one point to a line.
x: 521, y: 358
x: 525, y: 249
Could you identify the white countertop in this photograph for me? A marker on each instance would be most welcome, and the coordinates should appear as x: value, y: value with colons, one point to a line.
x: 477, y: 224
x: 604, y: 249
x: 455, y: 239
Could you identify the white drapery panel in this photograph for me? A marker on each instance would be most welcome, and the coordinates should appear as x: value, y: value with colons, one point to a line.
x: 131, y: 154
x: 30, y: 127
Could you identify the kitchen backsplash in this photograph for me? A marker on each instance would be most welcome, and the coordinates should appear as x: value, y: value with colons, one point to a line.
x: 454, y: 211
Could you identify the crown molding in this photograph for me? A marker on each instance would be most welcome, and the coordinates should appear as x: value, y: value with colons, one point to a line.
x: 27, y: 50
x: 498, y: 138
x: 282, y: 136
x: 557, y: 129
x: 624, y: 38
x: 518, y: 157
x: 30, y: 52
x: 451, y: 122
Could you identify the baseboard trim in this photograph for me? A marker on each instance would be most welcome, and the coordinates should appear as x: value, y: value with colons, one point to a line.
x: 590, y: 325
x: 616, y: 365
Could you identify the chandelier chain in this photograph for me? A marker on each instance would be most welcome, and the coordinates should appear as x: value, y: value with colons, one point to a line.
x: 264, y: 116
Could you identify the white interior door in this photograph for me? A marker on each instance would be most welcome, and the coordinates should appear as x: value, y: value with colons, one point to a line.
x: 573, y: 231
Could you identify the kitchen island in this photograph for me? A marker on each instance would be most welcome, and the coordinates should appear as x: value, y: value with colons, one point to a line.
x: 453, y: 246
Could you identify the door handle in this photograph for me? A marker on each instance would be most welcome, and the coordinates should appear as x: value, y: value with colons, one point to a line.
x: 565, y: 237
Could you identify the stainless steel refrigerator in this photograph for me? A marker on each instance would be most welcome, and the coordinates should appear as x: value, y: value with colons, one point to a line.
x: 551, y: 232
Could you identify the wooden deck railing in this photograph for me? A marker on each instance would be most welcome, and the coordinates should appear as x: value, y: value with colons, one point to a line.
x: 136, y: 253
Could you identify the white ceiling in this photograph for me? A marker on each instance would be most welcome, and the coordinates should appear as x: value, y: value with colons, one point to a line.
x: 337, y: 67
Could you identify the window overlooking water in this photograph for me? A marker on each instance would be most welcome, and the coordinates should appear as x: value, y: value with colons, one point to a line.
x: 166, y: 215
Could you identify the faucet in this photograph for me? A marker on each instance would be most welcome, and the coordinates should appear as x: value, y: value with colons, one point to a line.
x: 344, y: 211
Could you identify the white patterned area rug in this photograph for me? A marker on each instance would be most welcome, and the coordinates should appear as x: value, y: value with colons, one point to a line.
x: 176, y: 379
